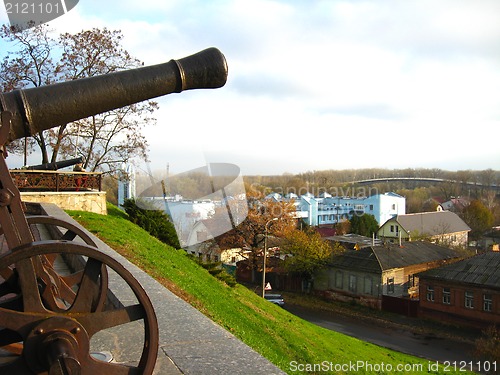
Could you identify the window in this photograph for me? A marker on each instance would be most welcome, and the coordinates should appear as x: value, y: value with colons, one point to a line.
x: 487, y: 302
x: 446, y: 296
x: 353, y: 283
x: 392, y: 228
x: 430, y: 293
x: 411, y: 280
x: 393, y: 206
x: 216, y: 258
x: 390, y: 285
x: 368, y: 285
x: 469, y: 300
x: 397, y: 229
x: 233, y: 259
x: 371, y: 207
x: 339, y: 277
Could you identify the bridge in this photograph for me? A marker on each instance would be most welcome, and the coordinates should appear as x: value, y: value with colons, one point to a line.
x: 425, y: 179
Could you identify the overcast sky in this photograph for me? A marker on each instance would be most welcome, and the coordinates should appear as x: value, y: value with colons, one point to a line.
x: 319, y: 85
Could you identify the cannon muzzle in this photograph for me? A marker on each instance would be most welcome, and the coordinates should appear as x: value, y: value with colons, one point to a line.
x: 42, y: 108
x: 56, y: 165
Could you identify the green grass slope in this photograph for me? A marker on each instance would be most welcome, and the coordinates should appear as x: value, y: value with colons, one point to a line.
x: 291, y: 343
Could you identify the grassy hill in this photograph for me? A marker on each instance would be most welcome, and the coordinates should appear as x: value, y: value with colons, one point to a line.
x: 283, y: 338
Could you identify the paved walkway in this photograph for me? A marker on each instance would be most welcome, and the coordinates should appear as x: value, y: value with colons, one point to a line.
x: 190, y: 343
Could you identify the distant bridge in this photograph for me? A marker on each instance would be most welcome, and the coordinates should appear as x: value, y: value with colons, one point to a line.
x: 424, y: 179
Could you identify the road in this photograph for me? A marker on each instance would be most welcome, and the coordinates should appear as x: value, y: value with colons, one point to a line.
x: 428, y: 347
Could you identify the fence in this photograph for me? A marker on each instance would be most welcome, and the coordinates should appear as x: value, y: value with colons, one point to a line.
x: 27, y: 180
x: 402, y: 306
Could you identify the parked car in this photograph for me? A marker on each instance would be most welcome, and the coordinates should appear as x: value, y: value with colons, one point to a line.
x: 277, y: 299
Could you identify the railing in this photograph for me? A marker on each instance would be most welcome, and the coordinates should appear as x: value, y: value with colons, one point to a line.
x: 27, y: 180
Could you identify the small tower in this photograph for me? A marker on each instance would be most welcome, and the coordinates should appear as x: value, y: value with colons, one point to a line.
x: 126, y: 183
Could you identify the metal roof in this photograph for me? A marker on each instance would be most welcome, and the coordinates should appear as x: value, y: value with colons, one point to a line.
x: 481, y: 270
x: 357, y: 260
x: 354, y: 239
x: 411, y: 253
x: 432, y: 223
x: 389, y: 256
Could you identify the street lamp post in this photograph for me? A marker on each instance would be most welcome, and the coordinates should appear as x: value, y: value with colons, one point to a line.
x: 265, y: 256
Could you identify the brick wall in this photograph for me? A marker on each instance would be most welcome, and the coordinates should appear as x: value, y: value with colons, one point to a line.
x: 454, y: 308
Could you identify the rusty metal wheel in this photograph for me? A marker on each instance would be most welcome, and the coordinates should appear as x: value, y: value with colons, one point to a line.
x: 59, y: 287
x: 72, y: 232
x: 60, y: 342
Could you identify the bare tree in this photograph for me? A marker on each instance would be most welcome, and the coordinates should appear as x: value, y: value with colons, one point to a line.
x: 105, y: 141
x: 30, y: 65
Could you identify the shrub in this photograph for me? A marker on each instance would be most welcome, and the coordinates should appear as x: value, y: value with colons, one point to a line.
x: 215, y: 269
x: 488, y: 346
x: 154, y: 221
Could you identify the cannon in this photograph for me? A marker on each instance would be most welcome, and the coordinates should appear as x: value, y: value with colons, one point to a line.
x: 49, y: 317
x: 56, y: 165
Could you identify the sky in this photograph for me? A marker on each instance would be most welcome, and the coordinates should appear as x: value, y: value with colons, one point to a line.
x: 316, y: 85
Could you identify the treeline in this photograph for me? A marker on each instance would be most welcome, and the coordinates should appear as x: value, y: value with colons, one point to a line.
x: 191, y: 185
x: 327, y: 178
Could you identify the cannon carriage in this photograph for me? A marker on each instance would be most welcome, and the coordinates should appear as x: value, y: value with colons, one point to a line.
x: 54, y: 294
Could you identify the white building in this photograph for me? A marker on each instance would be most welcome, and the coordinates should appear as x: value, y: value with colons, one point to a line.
x: 331, y: 210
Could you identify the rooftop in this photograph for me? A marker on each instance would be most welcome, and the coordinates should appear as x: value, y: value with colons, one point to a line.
x: 482, y: 270
x: 432, y: 223
x: 410, y: 253
x: 389, y: 256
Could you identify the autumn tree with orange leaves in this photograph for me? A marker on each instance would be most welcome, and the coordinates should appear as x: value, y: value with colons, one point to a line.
x: 250, y: 234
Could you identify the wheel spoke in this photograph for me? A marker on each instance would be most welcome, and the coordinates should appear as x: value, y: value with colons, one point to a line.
x: 18, y: 321
x: 98, y: 321
x: 73, y: 278
x: 29, y: 286
x: 89, y: 288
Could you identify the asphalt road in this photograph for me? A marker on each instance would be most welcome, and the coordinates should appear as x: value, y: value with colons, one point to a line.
x: 428, y: 347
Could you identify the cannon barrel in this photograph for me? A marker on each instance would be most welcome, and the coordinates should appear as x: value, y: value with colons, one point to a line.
x: 45, y: 107
x: 56, y: 165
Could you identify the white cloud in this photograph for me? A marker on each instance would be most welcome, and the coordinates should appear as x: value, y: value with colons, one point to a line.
x: 321, y: 84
